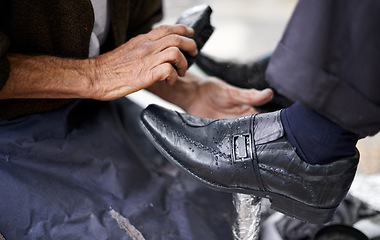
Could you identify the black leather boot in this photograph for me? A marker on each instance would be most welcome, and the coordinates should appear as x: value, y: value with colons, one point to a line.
x: 250, y: 155
x: 244, y: 75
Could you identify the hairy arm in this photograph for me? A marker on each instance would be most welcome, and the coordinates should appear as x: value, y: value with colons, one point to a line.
x: 48, y: 77
x: 143, y: 60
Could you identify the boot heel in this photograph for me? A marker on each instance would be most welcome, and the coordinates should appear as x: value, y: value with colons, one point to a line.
x: 302, y: 211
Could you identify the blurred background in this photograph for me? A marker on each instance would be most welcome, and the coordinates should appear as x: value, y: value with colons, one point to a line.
x: 246, y: 30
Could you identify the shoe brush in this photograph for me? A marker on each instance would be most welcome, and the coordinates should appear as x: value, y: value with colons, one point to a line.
x: 198, y: 18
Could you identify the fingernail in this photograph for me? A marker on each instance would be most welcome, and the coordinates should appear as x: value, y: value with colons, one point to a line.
x: 267, y: 91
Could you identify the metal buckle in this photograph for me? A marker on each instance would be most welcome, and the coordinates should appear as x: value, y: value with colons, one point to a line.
x: 242, y: 147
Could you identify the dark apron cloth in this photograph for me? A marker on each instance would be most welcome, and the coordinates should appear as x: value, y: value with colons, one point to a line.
x: 65, y: 174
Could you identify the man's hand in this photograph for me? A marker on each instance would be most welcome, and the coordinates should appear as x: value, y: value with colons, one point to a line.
x: 211, y: 97
x: 217, y: 99
x: 145, y: 59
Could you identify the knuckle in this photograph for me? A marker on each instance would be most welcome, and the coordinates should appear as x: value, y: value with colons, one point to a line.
x: 193, y: 43
x: 164, y: 29
x: 172, y: 74
x: 167, y: 68
x: 162, y: 72
x: 167, y: 71
x: 140, y: 51
x: 174, y: 53
x: 182, y: 28
x: 176, y: 40
x: 172, y: 40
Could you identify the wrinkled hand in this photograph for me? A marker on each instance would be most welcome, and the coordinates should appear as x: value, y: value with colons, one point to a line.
x: 143, y: 60
x: 217, y: 99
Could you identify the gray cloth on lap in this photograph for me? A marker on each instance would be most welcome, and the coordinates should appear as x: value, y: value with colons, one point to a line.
x: 86, y: 171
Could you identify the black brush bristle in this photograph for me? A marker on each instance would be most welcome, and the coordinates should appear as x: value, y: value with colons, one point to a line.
x: 197, y: 18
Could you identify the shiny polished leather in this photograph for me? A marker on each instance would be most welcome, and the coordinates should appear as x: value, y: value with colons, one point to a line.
x: 250, y: 155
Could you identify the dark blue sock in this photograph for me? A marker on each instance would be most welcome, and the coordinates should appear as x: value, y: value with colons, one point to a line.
x: 317, y: 139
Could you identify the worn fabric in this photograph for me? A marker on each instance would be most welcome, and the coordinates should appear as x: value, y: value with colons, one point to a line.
x: 63, y: 29
x: 68, y: 173
x: 328, y: 60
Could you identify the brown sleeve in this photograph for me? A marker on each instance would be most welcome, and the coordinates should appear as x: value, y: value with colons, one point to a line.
x: 4, y: 63
x: 4, y: 46
x: 144, y: 15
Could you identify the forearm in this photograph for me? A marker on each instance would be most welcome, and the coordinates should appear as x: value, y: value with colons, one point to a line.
x: 137, y: 64
x: 48, y: 77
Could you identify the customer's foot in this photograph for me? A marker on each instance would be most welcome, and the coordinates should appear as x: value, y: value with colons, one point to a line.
x: 250, y: 155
